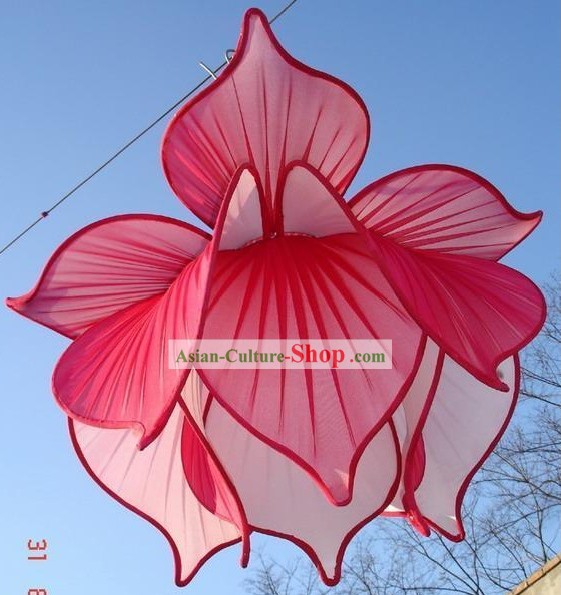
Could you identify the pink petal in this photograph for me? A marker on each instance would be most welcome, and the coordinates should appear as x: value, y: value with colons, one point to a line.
x: 106, y: 267
x: 265, y: 110
x: 281, y: 499
x: 203, y: 471
x: 295, y: 286
x: 465, y: 422
x: 151, y: 483
x: 243, y: 221
x: 117, y: 373
x: 409, y: 419
x: 445, y: 209
x: 479, y: 311
x: 310, y: 207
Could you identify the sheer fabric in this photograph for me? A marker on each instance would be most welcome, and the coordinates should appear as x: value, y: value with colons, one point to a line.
x: 264, y: 156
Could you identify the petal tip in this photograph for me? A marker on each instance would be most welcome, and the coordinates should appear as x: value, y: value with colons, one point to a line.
x: 414, y: 516
x: 496, y: 383
x: 418, y: 523
x: 145, y: 439
x: 11, y: 302
x: 457, y: 537
x: 18, y: 303
x: 254, y: 14
x: 329, y: 581
x: 534, y: 216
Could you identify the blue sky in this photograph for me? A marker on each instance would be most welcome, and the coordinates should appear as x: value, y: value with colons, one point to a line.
x: 470, y: 83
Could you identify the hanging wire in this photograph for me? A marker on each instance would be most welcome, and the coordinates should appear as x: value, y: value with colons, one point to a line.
x: 281, y: 12
x: 212, y: 75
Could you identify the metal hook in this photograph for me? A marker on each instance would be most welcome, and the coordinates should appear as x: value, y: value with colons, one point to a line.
x: 207, y: 69
x: 228, y: 55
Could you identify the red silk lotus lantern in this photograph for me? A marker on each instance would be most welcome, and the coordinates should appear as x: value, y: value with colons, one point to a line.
x: 264, y: 156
